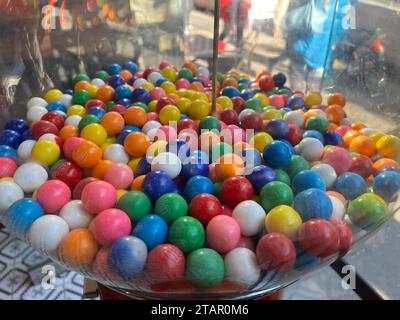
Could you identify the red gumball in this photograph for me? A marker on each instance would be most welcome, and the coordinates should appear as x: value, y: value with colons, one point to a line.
x: 7, y: 167
x: 55, y: 118
x: 69, y: 146
x: 266, y: 83
x: 187, y: 124
x: 118, y: 108
x: 229, y: 116
x: 251, y: 120
x: 77, y: 192
x: 319, y: 237
x: 148, y: 71
x: 275, y: 251
x: 294, y: 136
x: 235, y: 190
x: 362, y: 165
x: 42, y: 127
x: 164, y: 102
x: 165, y: 262
x: 204, y: 207
x: 343, y: 129
x: 345, y: 235
x: 238, y: 104
x: 95, y: 103
x: 68, y: 172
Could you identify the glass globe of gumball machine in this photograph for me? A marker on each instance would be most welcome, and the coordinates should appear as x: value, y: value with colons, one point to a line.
x: 160, y: 177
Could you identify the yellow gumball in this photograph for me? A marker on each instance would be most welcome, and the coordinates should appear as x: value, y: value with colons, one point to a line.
x: 283, y: 219
x: 376, y: 136
x: 156, y: 148
x: 199, y: 109
x: 260, y: 140
x: 225, y: 102
x: 153, y: 105
x: 389, y: 146
x: 94, y: 132
x: 263, y: 98
x: 200, y: 96
x: 7, y: 179
x: 53, y: 95
x: 181, y: 93
x: 169, y: 73
x: 168, y: 87
x: 148, y: 86
x: 92, y: 90
x: 190, y: 94
x: 120, y: 193
x: 271, y: 114
x: 169, y: 114
x: 183, y: 104
x: 134, y: 163
x: 76, y: 109
x: 46, y: 152
x: 312, y: 99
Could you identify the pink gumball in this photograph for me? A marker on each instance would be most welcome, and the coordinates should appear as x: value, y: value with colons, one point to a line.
x: 109, y: 225
x: 337, y: 157
x: 246, y: 242
x: 277, y: 101
x: 204, y: 78
x: 152, y: 116
x: 211, y: 173
x: 7, y: 167
x: 182, y: 83
x: 53, y: 195
x: 223, y: 233
x: 69, y: 146
x: 157, y: 93
x: 233, y: 134
x: 166, y: 133
x: 98, y: 196
x: 119, y: 175
x: 223, y: 125
x: 164, y: 64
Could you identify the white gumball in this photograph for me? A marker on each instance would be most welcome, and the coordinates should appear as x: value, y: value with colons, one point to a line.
x: 116, y: 153
x: 250, y: 216
x: 310, y: 149
x: 167, y: 162
x: 327, y: 172
x: 9, y: 193
x: 47, y: 232
x: 66, y: 100
x: 73, y: 120
x: 36, y: 102
x: 241, y: 266
x: 154, y: 77
x: 150, y: 129
x: 25, y: 149
x: 339, y: 209
x: 30, y: 176
x: 368, y: 131
x: 75, y: 215
x: 139, y: 82
x: 49, y: 137
x: 35, y: 113
x: 294, y: 117
x: 98, y: 82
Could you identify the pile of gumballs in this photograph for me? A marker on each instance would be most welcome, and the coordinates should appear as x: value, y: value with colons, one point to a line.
x: 131, y: 176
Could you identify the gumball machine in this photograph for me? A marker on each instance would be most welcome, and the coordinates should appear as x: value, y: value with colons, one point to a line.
x: 229, y: 175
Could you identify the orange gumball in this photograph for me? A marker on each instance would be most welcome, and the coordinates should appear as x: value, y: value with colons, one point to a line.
x: 68, y: 132
x: 229, y: 165
x: 191, y: 66
x: 335, y: 113
x: 196, y: 86
x: 105, y: 93
x: 113, y: 122
x: 87, y: 154
x: 126, y: 75
x: 136, y: 144
x: 78, y: 248
x: 100, y: 168
x: 357, y: 125
x: 337, y: 98
x: 137, y: 183
x: 81, y: 85
x: 349, y: 136
x: 338, y: 196
x: 135, y: 116
x: 385, y: 163
x: 229, y: 82
x: 363, y: 145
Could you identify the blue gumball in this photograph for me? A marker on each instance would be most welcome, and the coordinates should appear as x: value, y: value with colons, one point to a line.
x: 194, y: 166
x: 157, y: 183
x: 197, y: 185
x: 295, y: 102
x: 22, y: 213
x: 123, y: 134
x: 247, y: 94
x: 279, y: 79
x: 251, y: 158
x: 313, y: 134
x: 183, y: 116
x: 127, y: 256
x: 97, y: 111
x: 152, y: 230
x: 277, y: 154
x: 10, y: 138
x: 230, y: 92
x: 140, y: 95
x: 68, y: 91
x: 350, y: 185
x: 56, y: 106
x: 143, y: 167
x: 260, y: 176
x: 114, y: 68
x: 180, y: 148
x: 27, y: 135
x: 313, y: 204
x: 8, y: 152
x: 333, y: 138
x: 116, y: 81
x: 307, y: 179
x: 292, y: 150
x: 132, y: 81
x: 278, y: 129
x: 387, y: 185
x: 161, y: 81
x: 122, y: 92
x: 130, y: 66
x: 18, y: 125
x: 125, y: 102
